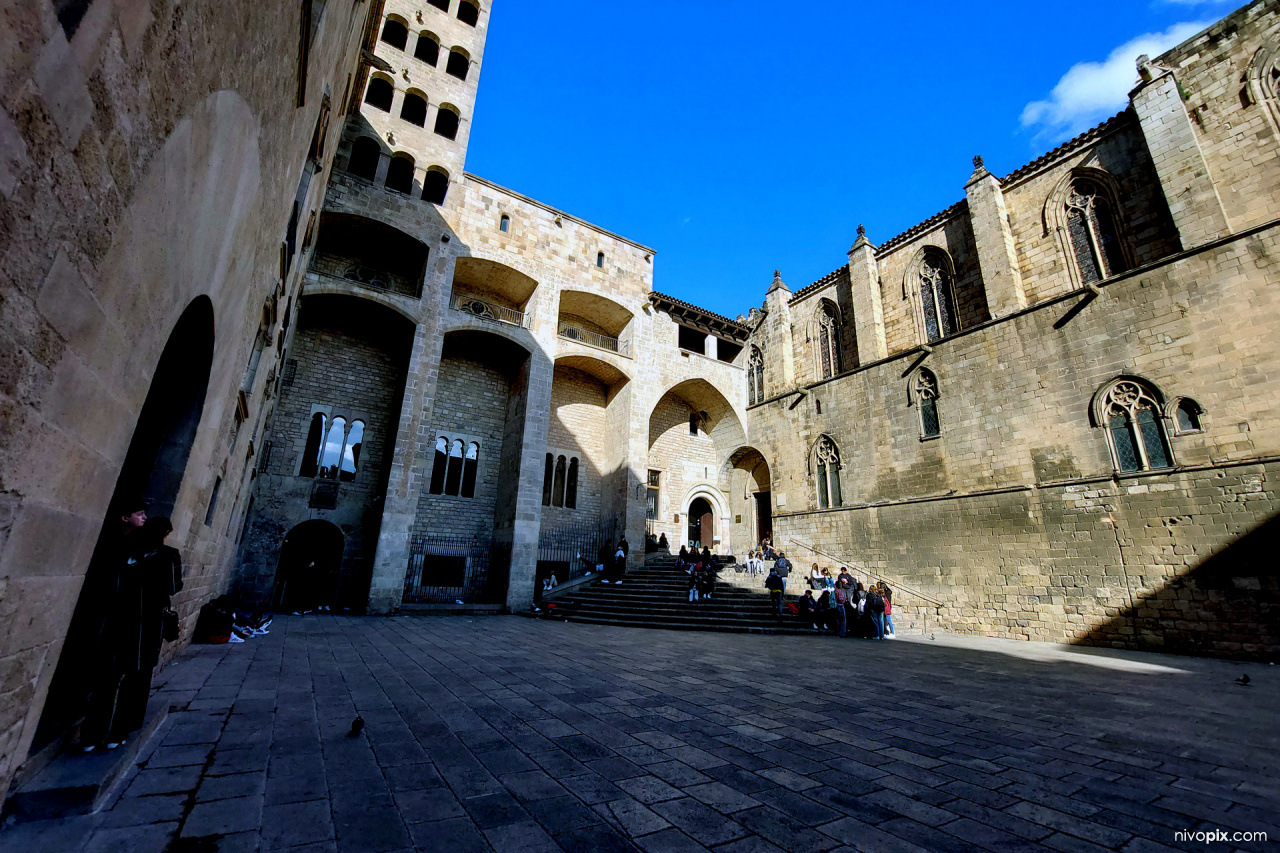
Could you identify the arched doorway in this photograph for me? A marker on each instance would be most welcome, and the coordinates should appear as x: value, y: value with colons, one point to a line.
x: 310, y: 563
x: 152, y: 474
x: 702, y: 524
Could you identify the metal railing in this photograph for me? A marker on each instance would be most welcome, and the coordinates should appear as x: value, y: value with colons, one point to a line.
x: 488, y: 310
x: 448, y: 569
x: 571, y: 332
x: 569, y: 553
x: 894, y: 584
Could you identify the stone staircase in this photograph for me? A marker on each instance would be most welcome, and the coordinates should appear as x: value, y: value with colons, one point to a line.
x: 657, y: 596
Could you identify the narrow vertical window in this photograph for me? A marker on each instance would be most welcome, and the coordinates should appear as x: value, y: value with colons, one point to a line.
x: 571, y: 485
x: 311, y: 451
x: 453, y: 477
x: 331, y: 456
x: 1092, y: 231
x: 212, y: 511
x: 827, y: 467
x: 828, y: 340
x: 600, y: 260
x: 351, y: 456
x: 937, y: 299
x: 548, y: 474
x: 755, y: 376
x: 927, y: 398
x: 693, y: 423
x: 440, y: 465
x: 1135, y: 429
x: 470, y: 464
x: 504, y: 224
x: 557, y: 494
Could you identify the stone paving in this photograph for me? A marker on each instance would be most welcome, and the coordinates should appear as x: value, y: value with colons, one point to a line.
x: 501, y: 733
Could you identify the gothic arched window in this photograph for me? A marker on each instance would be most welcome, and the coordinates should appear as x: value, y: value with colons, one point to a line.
x: 557, y: 491
x: 439, y: 466
x: 1130, y: 412
x: 571, y: 485
x: 828, y: 340
x: 331, y: 456
x: 755, y: 377
x: 548, y: 474
x: 1091, y: 228
x: 311, y: 452
x: 937, y: 298
x: 926, y: 394
x: 470, y: 463
x: 827, y: 467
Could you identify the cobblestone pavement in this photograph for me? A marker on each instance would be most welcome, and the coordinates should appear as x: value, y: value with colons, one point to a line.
x: 508, y: 734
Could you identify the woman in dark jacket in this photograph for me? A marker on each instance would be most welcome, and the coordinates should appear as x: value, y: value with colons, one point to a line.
x: 132, y: 633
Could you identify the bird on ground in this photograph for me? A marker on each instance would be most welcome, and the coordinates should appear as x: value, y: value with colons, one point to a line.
x: 357, y: 726
x: 1243, y: 680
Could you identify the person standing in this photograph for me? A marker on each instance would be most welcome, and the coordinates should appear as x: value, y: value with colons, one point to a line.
x: 841, y: 597
x: 783, y: 568
x: 887, y: 593
x: 131, y: 636
x: 775, y: 585
x: 875, y: 607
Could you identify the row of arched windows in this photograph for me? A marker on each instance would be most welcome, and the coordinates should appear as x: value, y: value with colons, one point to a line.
x: 396, y: 34
x: 560, y: 481
x: 367, y: 151
x: 332, y: 451
x: 454, y: 470
x: 1130, y: 411
x: 468, y: 12
x: 381, y: 92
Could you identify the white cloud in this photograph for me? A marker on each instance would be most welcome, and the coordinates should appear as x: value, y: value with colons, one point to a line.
x: 1092, y: 91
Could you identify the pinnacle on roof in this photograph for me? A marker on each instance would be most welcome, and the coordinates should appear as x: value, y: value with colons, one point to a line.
x: 778, y: 283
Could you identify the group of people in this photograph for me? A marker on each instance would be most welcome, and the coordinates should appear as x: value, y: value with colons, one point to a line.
x: 701, y: 569
x: 613, y: 563
x: 846, y: 606
x: 221, y: 622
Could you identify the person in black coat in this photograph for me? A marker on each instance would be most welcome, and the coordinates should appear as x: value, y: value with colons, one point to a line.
x: 147, y: 574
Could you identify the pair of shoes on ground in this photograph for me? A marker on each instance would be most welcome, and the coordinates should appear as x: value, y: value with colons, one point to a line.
x: 108, y: 745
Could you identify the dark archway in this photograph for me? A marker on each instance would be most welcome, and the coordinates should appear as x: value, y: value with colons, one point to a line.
x: 702, y: 526
x: 310, y: 563
x: 151, y: 475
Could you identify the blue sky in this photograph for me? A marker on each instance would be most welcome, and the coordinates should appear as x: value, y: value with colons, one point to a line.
x: 736, y: 138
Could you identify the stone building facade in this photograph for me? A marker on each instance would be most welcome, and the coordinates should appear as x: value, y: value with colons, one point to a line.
x: 272, y: 303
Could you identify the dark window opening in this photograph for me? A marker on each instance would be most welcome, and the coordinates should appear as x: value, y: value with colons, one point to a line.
x: 571, y: 485
x: 213, y: 502
x: 727, y: 351
x: 548, y: 475
x: 439, y: 466
x: 71, y: 13
x: 447, y: 123
x: 557, y: 492
x: 692, y: 339
x: 504, y: 224
x: 470, y: 466
x: 1188, y: 416
x: 693, y: 423
x: 379, y: 94
x: 395, y: 34
x: 929, y: 425
x: 442, y: 5
x: 427, y: 49
x: 311, y: 453
x: 600, y: 260
x: 435, y: 186
x: 458, y: 65
x: 817, y: 406
x: 365, y: 154
x: 400, y: 174
x: 468, y: 13
x: 1153, y: 439
x: 414, y: 110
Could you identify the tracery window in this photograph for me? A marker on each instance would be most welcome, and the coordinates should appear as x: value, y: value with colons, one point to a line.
x: 331, y: 455
x: 1091, y: 227
x: 937, y: 299
x: 455, y: 468
x: 755, y: 376
x: 332, y: 450
x: 926, y: 394
x: 828, y: 340
x: 1135, y: 429
x: 827, y: 459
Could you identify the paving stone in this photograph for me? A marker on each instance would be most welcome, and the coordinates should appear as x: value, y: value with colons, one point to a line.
x: 145, y: 839
x: 169, y: 780
x: 223, y: 817
x: 700, y: 822
x: 458, y: 835
x: 721, y: 797
x: 562, y: 814
x: 635, y: 818
x: 139, y: 811
x: 296, y: 824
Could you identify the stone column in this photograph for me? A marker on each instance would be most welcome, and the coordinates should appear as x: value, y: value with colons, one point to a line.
x: 528, y: 415
x: 868, y: 305
x: 384, y: 163
x: 1175, y: 149
x: 781, y: 361
x: 997, y: 255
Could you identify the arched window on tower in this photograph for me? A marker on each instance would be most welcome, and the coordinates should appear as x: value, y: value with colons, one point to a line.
x: 557, y: 491
x: 447, y: 123
x: 365, y: 153
x: 331, y: 456
x: 379, y: 94
x: 548, y: 476
x: 400, y: 174
x: 504, y: 224
x: 1186, y: 416
x: 435, y: 185
x: 571, y: 485
x: 827, y: 473
x: 926, y: 397
x: 828, y: 322
x: 351, y: 455
x: 458, y: 65
x: 439, y: 466
x: 395, y: 34
x: 311, y: 451
x: 937, y: 298
x: 427, y: 49
x: 468, y: 12
x: 442, y: 5
x: 755, y: 376
x: 470, y: 465
x: 1091, y: 227
x: 1131, y: 413
x: 414, y: 109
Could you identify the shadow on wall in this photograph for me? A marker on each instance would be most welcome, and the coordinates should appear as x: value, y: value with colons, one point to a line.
x: 1227, y: 607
